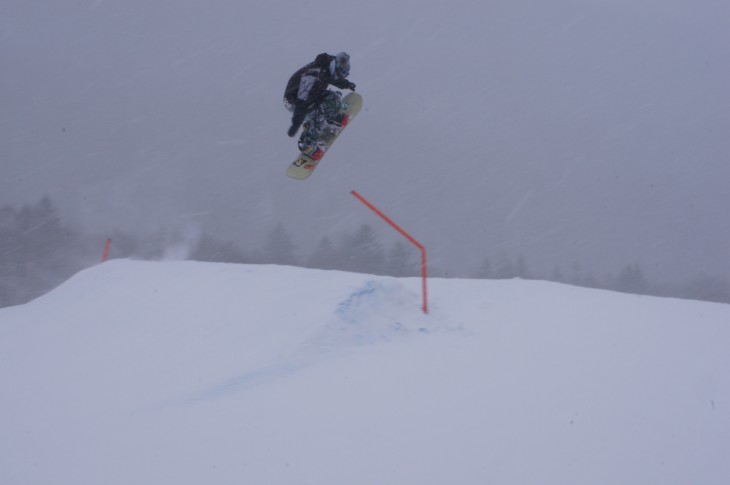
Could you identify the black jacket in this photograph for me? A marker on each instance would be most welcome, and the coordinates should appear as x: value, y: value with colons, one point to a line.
x: 309, y: 83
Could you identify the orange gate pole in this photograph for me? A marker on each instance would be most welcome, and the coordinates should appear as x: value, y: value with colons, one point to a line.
x: 421, y: 247
x: 105, y: 254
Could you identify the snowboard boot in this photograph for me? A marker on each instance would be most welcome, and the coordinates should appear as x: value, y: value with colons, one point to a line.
x: 309, y: 142
x: 338, y: 120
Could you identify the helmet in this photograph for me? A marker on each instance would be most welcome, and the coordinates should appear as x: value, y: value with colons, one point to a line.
x: 342, y: 65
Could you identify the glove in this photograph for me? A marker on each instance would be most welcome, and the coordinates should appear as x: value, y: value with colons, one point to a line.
x: 292, y: 130
x: 350, y: 86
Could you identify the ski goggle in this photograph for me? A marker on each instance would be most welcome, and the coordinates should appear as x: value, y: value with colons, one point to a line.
x: 342, y: 68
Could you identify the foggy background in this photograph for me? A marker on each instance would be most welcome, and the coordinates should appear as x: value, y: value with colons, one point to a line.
x: 574, y: 134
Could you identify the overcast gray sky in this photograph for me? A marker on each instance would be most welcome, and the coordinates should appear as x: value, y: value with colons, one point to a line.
x: 591, y: 132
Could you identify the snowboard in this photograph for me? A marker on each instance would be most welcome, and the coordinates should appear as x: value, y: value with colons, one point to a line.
x: 304, y: 165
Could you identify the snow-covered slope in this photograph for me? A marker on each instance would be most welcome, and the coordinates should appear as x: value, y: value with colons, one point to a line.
x: 191, y: 373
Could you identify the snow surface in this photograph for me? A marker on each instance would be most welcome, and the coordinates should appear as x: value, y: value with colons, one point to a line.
x: 193, y: 373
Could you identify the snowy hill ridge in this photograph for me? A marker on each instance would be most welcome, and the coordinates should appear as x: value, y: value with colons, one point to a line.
x: 191, y: 373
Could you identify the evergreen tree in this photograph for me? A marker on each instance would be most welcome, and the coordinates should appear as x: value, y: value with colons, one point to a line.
x: 279, y: 247
x: 578, y: 278
x: 325, y: 255
x: 590, y: 281
x: 558, y: 275
x: 363, y: 252
x: 632, y: 280
x: 521, y: 270
x: 505, y: 269
x: 485, y: 270
x: 401, y: 260
x: 9, y: 256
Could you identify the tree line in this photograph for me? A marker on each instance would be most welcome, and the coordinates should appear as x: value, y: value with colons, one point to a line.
x: 38, y: 251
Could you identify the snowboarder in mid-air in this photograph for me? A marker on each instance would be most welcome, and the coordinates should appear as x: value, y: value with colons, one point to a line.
x: 312, y: 104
